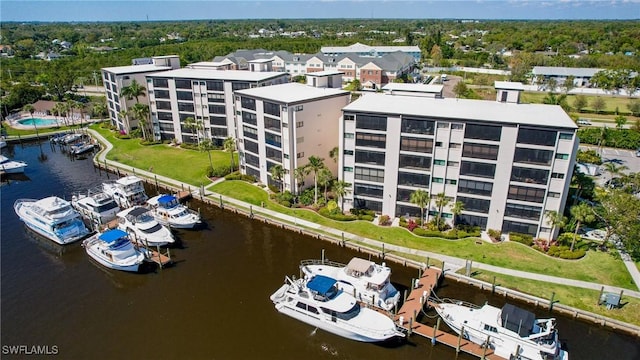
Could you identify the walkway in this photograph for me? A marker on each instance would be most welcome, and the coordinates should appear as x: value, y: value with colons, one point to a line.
x: 451, y: 263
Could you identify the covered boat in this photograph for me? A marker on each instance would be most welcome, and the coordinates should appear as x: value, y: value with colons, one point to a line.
x: 143, y: 227
x: 53, y: 218
x: 126, y: 191
x: 9, y: 166
x: 168, y: 211
x: 114, y: 250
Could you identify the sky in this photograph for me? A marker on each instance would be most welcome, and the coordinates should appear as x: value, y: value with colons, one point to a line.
x: 154, y: 10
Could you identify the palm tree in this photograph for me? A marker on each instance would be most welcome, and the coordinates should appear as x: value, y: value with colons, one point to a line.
x: 141, y: 112
x: 190, y: 123
x: 299, y: 174
x: 324, y: 179
x: 207, y: 145
x: 614, y: 169
x: 341, y: 188
x: 334, y: 154
x: 456, y: 209
x: 422, y: 199
x: 69, y: 106
x: 555, y: 219
x: 582, y: 182
x: 80, y: 106
x: 134, y: 90
x: 602, y: 138
x: 30, y: 109
x: 441, y: 201
x: 123, y: 115
x: 582, y: 213
x: 277, y: 172
x: 229, y: 145
x: 99, y: 108
x: 315, y: 164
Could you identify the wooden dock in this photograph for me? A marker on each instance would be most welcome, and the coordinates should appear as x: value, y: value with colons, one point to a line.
x: 158, y: 258
x: 407, y: 316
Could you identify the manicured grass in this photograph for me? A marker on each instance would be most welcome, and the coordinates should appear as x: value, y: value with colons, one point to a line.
x: 22, y: 132
x: 571, y: 296
x: 595, y: 267
x: 189, y: 166
x: 612, y: 102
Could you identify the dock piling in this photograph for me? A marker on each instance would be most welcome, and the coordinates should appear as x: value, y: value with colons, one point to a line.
x: 435, y: 331
x: 459, y: 339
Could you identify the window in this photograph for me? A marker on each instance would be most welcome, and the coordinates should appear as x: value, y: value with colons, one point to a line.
x: 371, y: 140
x: 562, y: 156
x: 443, y: 125
x: 404, y: 194
x: 457, y: 126
x: 184, y: 95
x: 250, y: 132
x: 411, y: 179
x: 483, y: 132
x: 215, y: 98
x: 298, y: 108
x: 236, y: 85
x: 348, y: 152
x: 347, y: 169
x: 299, y: 124
x: 249, y: 118
x: 475, y: 187
x: 404, y: 210
x: 217, y: 109
x: 438, y: 180
x: 165, y: 116
x: 553, y: 194
x: 368, y: 190
x: 477, y: 169
x: 438, y: 143
x: 371, y: 122
x: 453, y: 164
x: 472, y: 220
x: 251, y: 146
x: 271, y: 108
x: 187, y: 107
x: 217, y: 120
x: 455, y: 146
x: 219, y: 132
x: 557, y: 175
x: 523, y: 211
x: 533, y: 156
x: 439, y: 162
x: 566, y: 136
x: 416, y: 145
x: 417, y: 126
x: 252, y: 159
x: 273, y: 139
x: 370, y: 157
x: 528, y: 175
x: 368, y: 174
x: 215, y: 85
x: 272, y: 124
x: 300, y: 155
x: 537, y: 137
x: 475, y: 205
x: 183, y: 84
x: 349, y: 117
x: 480, y: 151
x: 285, y: 156
x: 163, y: 105
x: 451, y: 182
x: 162, y: 83
x: 273, y: 154
x: 349, y: 135
x: 248, y: 103
x: 160, y: 94
x: 522, y: 228
x: 415, y: 162
x: 525, y: 194
x: 368, y: 204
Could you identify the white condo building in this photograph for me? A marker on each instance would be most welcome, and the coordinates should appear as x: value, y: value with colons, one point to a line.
x: 117, y: 77
x: 506, y: 162
x: 203, y: 94
x: 286, y: 124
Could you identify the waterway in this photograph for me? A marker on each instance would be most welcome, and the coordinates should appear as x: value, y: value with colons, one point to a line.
x: 212, y: 304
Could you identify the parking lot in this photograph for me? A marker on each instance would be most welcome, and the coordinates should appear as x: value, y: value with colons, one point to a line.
x: 627, y: 158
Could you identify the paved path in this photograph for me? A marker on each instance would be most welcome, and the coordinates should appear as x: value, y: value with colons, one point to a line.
x: 451, y: 263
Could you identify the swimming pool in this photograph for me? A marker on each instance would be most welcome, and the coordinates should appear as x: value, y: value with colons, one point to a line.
x: 38, y: 122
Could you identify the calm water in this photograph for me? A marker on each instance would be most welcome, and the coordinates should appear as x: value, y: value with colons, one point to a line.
x: 213, y: 304
x: 39, y: 122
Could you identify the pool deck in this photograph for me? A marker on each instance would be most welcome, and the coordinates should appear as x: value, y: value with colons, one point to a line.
x: 14, y: 122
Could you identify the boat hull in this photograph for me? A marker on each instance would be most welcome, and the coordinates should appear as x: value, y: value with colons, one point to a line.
x: 76, y: 231
x: 111, y: 265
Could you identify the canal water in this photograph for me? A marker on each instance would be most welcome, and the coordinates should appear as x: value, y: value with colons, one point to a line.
x: 212, y: 304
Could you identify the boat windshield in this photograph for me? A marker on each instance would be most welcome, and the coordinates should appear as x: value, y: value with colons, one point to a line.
x: 105, y: 207
x: 153, y: 229
x: 60, y: 210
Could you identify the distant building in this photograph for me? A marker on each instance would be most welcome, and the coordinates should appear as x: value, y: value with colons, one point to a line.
x: 370, y: 51
x: 118, y: 77
x: 433, y: 91
x: 582, y: 76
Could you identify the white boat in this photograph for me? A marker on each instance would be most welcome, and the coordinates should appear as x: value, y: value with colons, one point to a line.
x: 82, y: 148
x: 168, y: 211
x: 3, y: 142
x: 126, y: 191
x: 319, y: 303
x: 9, y: 166
x: 114, y: 250
x: 53, y: 218
x: 366, y: 280
x: 143, y: 227
x: 95, y: 206
x: 511, y: 332
x: 71, y: 138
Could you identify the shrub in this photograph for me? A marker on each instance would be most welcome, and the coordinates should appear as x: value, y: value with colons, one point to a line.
x: 384, y: 220
x: 332, y: 207
x: 366, y: 217
x: 521, y: 238
x: 563, y: 252
x: 218, y: 171
x: 567, y: 238
x: 494, y: 234
x: 403, y: 221
x: 237, y: 176
x: 335, y: 216
x: 274, y: 188
x: 412, y: 225
x: 306, y: 197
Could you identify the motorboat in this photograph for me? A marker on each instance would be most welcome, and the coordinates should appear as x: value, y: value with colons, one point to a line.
x: 71, y: 138
x: 96, y: 206
x: 113, y: 249
x: 3, y: 142
x: 143, y: 227
x: 168, y: 211
x: 81, y: 148
x: 9, y: 166
x: 510, y: 331
x: 53, y: 218
x: 318, y: 302
x: 367, y: 281
x: 126, y: 191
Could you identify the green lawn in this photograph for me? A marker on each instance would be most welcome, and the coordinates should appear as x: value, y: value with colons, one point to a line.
x: 189, y: 166
x: 612, y: 102
x: 595, y: 267
x: 22, y: 132
x: 571, y: 296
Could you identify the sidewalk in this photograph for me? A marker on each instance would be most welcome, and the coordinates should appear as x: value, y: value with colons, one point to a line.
x: 451, y: 263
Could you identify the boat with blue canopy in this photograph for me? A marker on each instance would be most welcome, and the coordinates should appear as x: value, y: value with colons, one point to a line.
x: 113, y: 249
x: 168, y: 211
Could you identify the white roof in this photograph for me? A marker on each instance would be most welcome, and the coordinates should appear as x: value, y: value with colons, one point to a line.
x: 261, y: 61
x: 211, y: 74
x: 358, y: 47
x: 208, y: 64
x: 464, y: 110
x: 564, y: 71
x: 325, y: 73
x: 508, y: 85
x: 132, y: 69
x: 291, y: 92
x: 423, y: 88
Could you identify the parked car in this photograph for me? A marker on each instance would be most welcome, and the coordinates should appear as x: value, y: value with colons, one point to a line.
x: 583, y: 122
x: 638, y: 152
x: 614, y: 183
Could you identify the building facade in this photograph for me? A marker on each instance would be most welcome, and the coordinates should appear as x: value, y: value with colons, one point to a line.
x: 204, y: 95
x: 370, y: 51
x: 118, y: 77
x: 285, y: 125
x: 507, y: 163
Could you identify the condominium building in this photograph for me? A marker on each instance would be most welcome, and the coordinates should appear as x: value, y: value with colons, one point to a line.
x: 370, y: 51
x: 506, y: 162
x: 285, y: 125
x: 117, y: 77
x: 204, y: 95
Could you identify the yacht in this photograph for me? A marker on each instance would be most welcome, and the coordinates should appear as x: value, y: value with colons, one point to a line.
x: 95, y: 206
x: 510, y: 331
x: 366, y: 280
x: 126, y: 191
x: 9, y: 166
x: 81, y: 148
x: 168, y: 211
x: 143, y: 227
x: 53, y: 218
x: 114, y: 250
x: 318, y: 302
